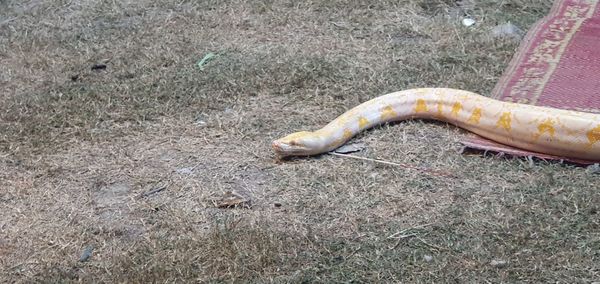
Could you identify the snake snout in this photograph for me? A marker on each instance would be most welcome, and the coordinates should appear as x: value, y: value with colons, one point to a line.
x: 277, y: 147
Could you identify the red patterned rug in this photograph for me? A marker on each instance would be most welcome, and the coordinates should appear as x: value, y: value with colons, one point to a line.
x: 557, y: 65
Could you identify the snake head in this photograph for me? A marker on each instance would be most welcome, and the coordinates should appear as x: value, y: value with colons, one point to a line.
x: 303, y: 143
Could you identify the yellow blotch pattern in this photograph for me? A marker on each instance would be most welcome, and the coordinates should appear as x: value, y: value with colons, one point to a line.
x: 362, y: 122
x: 388, y: 113
x: 475, y: 116
x: 456, y: 108
x: 504, y: 121
x: 347, y: 134
x: 546, y: 126
x: 594, y: 135
x: 440, y: 110
x: 421, y: 106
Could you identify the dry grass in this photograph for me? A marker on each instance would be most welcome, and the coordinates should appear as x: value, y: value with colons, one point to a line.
x: 80, y: 147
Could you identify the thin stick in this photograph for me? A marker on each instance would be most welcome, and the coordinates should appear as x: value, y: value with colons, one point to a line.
x: 400, y: 238
x: 408, y: 229
x: 154, y: 191
x: 7, y: 21
x: 428, y: 244
x: 430, y: 171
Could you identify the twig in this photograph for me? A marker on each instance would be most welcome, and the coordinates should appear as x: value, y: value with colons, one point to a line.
x: 400, y: 234
x: 154, y: 191
x: 428, y: 244
x: 7, y: 21
x: 392, y: 236
x: 352, y: 253
x: 400, y: 238
x: 430, y: 171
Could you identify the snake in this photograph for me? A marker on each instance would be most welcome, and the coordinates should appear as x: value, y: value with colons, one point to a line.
x: 546, y: 130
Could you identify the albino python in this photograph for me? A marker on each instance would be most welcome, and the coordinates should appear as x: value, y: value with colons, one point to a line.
x: 545, y: 130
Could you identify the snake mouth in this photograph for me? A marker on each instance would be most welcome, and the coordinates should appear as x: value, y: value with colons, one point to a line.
x: 276, y: 147
x: 280, y: 148
x: 286, y: 149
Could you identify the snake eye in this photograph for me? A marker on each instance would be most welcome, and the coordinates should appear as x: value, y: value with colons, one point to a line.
x: 293, y: 143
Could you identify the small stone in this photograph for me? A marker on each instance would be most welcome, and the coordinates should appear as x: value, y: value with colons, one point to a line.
x: 87, y: 253
x: 427, y: 258
x: 201, y: 120
x: 185, y: 171
x: 507, y: 30
x: 467, y: 22
x: 498, y: 263
x: 277, y: 204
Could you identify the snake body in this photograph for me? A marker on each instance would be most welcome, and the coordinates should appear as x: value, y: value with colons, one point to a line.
x: 565, y: 133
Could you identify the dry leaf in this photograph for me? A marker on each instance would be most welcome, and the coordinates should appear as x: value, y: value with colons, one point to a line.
x: 351, y: 148
x: 232, y: 199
